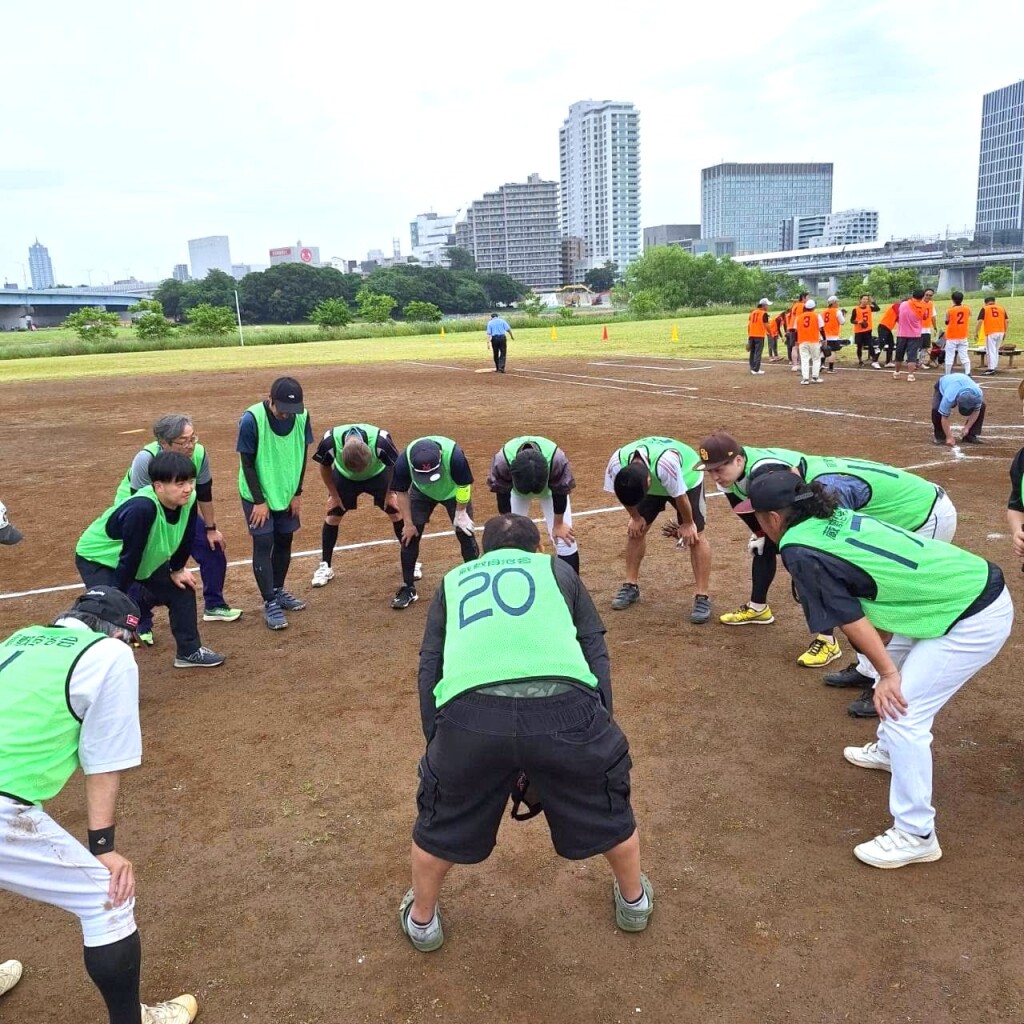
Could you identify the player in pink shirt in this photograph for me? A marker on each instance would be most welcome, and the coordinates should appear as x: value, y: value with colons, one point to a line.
x: 909, y: 326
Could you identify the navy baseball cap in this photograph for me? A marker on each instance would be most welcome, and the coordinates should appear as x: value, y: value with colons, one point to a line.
x: 111, y: 605
x: 425, y: 458
x: 770, y: 492
x: 286, y: 394
x: 967, y: 402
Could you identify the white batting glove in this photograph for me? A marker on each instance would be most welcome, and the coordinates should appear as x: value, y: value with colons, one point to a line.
x: 755, y: 545
x: 463, y: 522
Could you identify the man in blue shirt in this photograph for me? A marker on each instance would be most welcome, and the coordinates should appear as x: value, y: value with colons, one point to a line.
x: 498, y: 331
x: 959, y: 391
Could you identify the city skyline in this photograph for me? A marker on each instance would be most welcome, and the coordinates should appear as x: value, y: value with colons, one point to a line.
x: 326, y: 157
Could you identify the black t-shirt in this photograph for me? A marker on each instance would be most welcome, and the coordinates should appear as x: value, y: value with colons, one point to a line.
x: 1016, y: 475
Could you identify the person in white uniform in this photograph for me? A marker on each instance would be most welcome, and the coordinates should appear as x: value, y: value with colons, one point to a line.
x: 69, y: 698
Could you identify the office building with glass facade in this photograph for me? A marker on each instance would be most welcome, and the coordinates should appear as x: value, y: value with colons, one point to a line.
x: 1000, y: 210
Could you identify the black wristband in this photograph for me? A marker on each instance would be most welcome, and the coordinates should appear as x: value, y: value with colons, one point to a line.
x: 101, y: 840
x: 210, y: 527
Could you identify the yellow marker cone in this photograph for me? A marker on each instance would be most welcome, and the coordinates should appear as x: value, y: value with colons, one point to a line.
x: 442, y: 330
x: 554, y: 333
x: 675, y: 333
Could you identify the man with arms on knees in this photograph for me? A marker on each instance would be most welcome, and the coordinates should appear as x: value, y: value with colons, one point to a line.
x: 949, y: 613
x: 175, y: 433
x: 534, y: 467
x: 992, y: 319
x: 273, y: 436
x: 69, y: 698
x: 957, y: 391
x: 514, y: 677
x: 645, y: 476
x: 431, y: 471
x: 146, y: 539
x: 498, y: 333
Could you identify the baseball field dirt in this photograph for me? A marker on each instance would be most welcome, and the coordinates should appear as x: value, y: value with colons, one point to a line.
x: 269, y: 823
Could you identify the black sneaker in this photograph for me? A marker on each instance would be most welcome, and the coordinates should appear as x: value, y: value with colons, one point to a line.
x: 629, y: 593
x: 404, y: 596
x: 941, y: 442
x: 849, y: 676
x: 864, y: 705
x: 971, y: 440
x: 203, y: 658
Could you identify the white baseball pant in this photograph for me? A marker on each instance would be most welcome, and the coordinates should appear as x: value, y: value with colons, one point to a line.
x: 954, y: 349
x: 992, y: 343
x: 521, y: 507
x: 932, y: 671
x: 38, y: 859
x: 810, y: 359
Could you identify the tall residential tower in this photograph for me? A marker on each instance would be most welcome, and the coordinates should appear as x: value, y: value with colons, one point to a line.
x: 1000, y: 212
x: 39, y: 266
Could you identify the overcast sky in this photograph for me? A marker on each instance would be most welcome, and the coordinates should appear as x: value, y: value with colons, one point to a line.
x: 132, y: 127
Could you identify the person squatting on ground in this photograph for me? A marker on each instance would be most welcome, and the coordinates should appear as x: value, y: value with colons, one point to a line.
x: 498, y: 333
x: 176, y: 433
x: 732, y: 467
x: 958, y: 326
x: 273, y: 437
x: 833, y: 319
x: 861, y: 575
x: 145, y: 540
x: 531, y: 467
x: 992, y: 319
x: 960, y: 392
x: 354, y: 459
x: 514, y: 678
x: 431, y: 471
x: 757, y: 332
x: 809, y: 327
x: 645, y: 476
x: 69, y: 698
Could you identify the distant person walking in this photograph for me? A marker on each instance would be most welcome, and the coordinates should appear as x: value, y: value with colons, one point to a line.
x: 992, y: 319
x: 498, y: 333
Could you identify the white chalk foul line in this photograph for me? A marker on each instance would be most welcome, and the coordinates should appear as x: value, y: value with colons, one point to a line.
x: 642, y: 366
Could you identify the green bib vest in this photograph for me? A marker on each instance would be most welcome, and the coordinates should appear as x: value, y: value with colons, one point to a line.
x: 546, y: 447
x: 164, y: 537
x: 897, y: 497
x: 507, y: 622
x: 38, y: 730
x: 756, y: 455
x: 444, y: 488
x: 654, y: 448
x: 922, y: 586
x: 372, y: 435
x: 279, y: 460
x: 124, y: 488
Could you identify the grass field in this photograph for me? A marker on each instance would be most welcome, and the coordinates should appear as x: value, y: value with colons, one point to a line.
x: 702, y: 337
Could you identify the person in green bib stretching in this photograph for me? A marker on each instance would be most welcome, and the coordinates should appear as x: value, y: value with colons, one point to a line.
x: 273, y: 437
x: 69, y: 699
x: 514, y: 677
x: 431, y: 471
x: 146, y: 539
x: 354, y: 459
x: 949, y: 613
x: 645, y: 476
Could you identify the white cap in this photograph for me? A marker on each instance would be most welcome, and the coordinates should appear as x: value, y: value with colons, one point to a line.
x: 832, y: 299
x: 809, y: 304
x: 764, y: 302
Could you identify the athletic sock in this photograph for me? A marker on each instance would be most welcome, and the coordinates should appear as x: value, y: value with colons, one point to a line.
x: 638, y: 904
x: 328, y: 538
x: 422, y: 932
x: 114, y: 970
x: 756, y: 606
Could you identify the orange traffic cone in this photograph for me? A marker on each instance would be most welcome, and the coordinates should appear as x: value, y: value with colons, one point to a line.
x: 604, y: 334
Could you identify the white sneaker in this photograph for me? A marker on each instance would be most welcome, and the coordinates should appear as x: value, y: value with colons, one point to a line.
x: 757, y: 373
x: 868, y: 756
x: 895, y: 848
x: 795, y: 369
x: 876, y: 366
x: 417, y: 573
x: 805, y: 381
x: 323, y: 575
x: 815, y: 380
x: 10, y: 975
x: 180, y: 1010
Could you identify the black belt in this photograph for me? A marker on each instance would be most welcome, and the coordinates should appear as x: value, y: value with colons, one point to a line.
x: 16, y: 799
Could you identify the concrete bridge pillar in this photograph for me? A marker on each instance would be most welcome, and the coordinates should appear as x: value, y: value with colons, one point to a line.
x: 964, y: 279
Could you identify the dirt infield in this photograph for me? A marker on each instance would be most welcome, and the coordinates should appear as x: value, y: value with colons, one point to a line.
x: 270, y: 821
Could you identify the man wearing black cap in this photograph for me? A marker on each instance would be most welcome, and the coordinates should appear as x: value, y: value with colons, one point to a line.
x: 69, y: 698
x: 431, y: 471
x: 9, y: 535
x: 949, y: 613
x: 273, y: 437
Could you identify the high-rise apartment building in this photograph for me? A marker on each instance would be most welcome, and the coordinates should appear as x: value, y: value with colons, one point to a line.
x: 210, y: 253
x: 432, y: 234
x: 599, y: 153
x: 514, y: 231
x: 670, y: 234
x: 1000, y: 210
x: 180, y: 272
x: 748, y: 202
x: 802, y: 232
x: 39, y: 266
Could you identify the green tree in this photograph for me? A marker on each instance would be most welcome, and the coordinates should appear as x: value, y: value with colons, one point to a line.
x: 148, y: 319
x: 905, y: 281
x: 566, y: 313
x: 93, y: 322
x: 531, y: 304
x: 374, y: 308
x: 851, y: 286
x: 879, y: 283
x: 331, y: 313
x: 208, y: 319
x: 997, y: 278
x: 601, y: 279
x: 644, y: 304
x: 500, y: 289
x: 462, y: 259
x: 169, y: 294
x: 425, y: 312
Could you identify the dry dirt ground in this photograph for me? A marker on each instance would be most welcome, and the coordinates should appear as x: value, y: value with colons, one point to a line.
x: 270, y: 821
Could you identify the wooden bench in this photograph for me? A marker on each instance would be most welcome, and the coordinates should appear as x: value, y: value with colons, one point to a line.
x: 1004, y: 350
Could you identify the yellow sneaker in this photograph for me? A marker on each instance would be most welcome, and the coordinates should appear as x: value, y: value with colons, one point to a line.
x: 823, y: 651
x: 747, y: 616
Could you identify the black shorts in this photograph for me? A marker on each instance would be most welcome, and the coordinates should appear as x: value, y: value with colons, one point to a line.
x: 908, y: 348
x: 277, y: 522
x: 832, y: 345
x: 423, y: 507
x: 349, y: 490
x: 885, y: 337
x: 654, y: 504
x: 576, y: 757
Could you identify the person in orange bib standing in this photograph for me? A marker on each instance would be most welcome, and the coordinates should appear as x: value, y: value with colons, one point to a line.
x: 809, y: 325
x: 863, y: 318
x: 886, y: 337
x: 794, y: 311
x: 833, y: 319
x: 757, y: 331
x: 958, y: 325
x: 929, y: 356
x: 995, y: 322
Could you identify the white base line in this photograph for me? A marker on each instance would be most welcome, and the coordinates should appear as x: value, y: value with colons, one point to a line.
x: 613, y: 380
x: 641, y: 366
x: 436, y: 366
